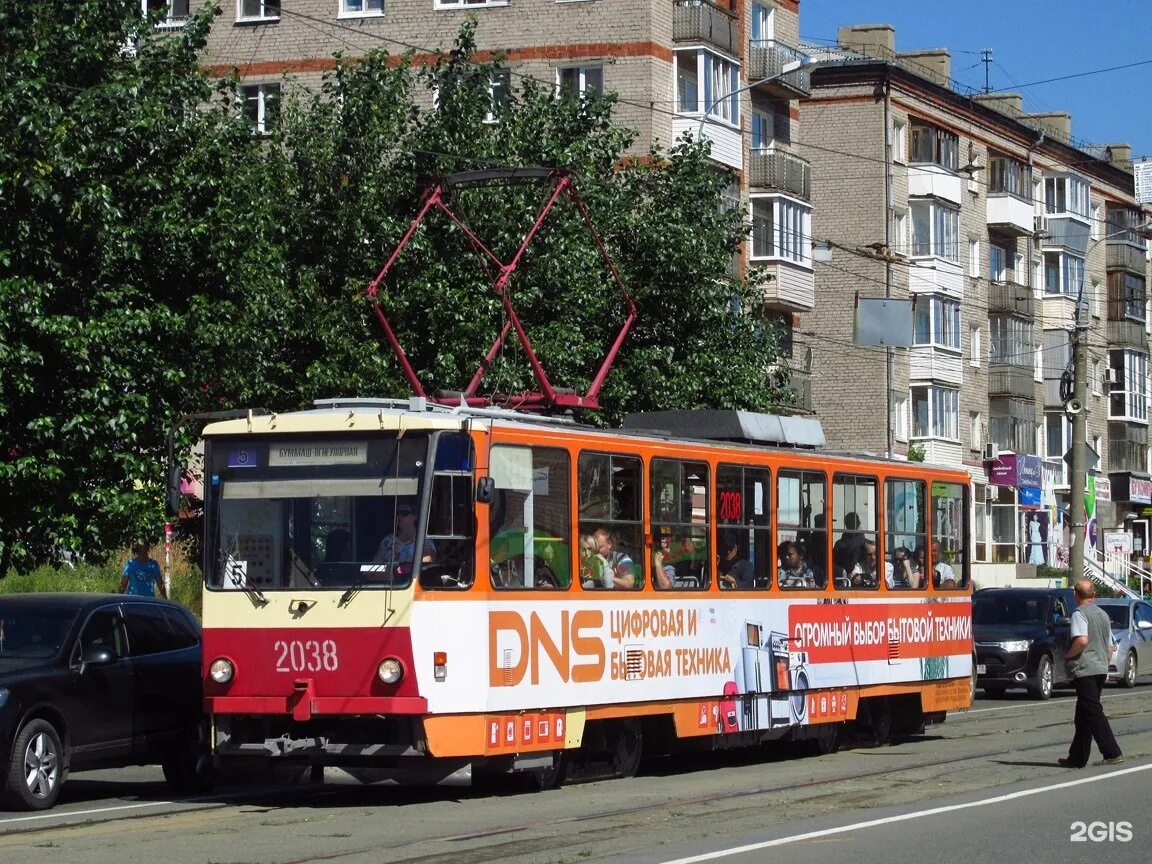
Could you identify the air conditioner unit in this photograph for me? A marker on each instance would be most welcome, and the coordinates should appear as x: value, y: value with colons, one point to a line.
x: 991, y: 452
x: 1038, y: 228
x: 1112, y: 376
x: 991, y: 492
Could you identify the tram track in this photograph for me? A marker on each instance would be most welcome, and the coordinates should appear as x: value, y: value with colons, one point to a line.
x: 919, y: 769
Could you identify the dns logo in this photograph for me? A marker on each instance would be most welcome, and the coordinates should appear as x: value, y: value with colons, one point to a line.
x: 1101, y: 832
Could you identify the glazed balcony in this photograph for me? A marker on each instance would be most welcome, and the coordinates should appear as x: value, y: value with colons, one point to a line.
x: 1005, y: 379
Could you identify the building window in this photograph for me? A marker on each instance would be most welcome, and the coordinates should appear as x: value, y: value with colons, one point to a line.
x: 998, y: 258
x: 937, y: 322
x: 935, y: 412
x: 900, y: 231
x: 1123, y: 225
x: 584, y: 82
x: 706, y: 84
x: 1127, y: 300
x: 257, y: 10
x: 1005, y: 174
x: 935, y: 229
x: 1128, y: 398
x: 261, y: 106
x: 781, y: 228
x: 500, y: 94
x: 974, y: 259
x: 1097, y: 375
x: 975, y: 431
x: 1067, y: 194
x: 763, y: 130
x: 974, y: 346
x: 1063, y: 274
x: 462, y: 4
x: 763, y: 22
x: 1012, y: 425
x: 899, y: 140
x: 175, y: 12
x: 352, y: 8
x: 933, y: 145
x: 1010, y: 340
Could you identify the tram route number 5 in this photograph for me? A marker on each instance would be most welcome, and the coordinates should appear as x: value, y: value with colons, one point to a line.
x: 305, y: 656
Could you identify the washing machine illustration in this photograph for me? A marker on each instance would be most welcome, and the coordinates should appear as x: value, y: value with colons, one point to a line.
x: 789, y: 674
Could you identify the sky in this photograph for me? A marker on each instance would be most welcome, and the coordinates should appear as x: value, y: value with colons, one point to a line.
x: 1031, y: 41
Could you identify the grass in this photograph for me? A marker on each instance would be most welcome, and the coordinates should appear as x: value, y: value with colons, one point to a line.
x: 184, y: 577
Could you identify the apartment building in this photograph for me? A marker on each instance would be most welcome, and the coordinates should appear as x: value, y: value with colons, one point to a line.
x: 993, y: 223
x: 729, y: 71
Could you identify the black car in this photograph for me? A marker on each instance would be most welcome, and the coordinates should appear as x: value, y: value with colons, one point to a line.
x: 1021, y: 637
x: 97, y: 681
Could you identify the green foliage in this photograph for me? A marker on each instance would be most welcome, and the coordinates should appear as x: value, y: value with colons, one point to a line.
x: 158, y: 259
x: 916, y: 453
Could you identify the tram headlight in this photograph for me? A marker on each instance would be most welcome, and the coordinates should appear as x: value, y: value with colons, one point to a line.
x: 390, y: 671
x: 222, y: 671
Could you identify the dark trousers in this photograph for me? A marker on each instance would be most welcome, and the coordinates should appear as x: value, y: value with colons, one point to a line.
x: 1091, y: 722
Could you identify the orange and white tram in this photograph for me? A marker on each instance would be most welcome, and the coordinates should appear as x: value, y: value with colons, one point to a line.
x: 431, y: 591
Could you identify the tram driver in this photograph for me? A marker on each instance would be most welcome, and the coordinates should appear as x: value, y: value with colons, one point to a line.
x: 399, y: 547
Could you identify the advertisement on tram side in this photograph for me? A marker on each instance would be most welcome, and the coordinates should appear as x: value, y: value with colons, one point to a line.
x: 571, y: 654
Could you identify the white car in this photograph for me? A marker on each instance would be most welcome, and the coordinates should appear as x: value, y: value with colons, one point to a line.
x: 1132, y: 627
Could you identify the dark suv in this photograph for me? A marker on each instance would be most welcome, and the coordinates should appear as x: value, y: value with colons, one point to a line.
x: 93, y: 681
x: 1021, y: 637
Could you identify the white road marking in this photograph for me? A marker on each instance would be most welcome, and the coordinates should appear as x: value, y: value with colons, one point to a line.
x: 1042, y: 704
x: 905, y: 817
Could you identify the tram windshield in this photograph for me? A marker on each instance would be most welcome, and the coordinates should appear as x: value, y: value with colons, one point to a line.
x: 332, y: 513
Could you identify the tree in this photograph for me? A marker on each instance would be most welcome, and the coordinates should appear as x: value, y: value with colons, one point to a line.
x: 125, y: 255
x: 157, y: 258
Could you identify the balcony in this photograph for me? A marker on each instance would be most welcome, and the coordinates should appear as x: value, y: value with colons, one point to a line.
x: 768, y: 59
x: 1127, y: 455
x: 935, y: 276
x: 697, y: 21
x: 927, y: 363
x: 1010, y: 214
x: 1127, y: 256
x: 1011, y: 298
x: 786, y: 286
x: 932, y: 180
x: 1005, y: 379
x: 1066, y: 231
x: 1128, y: 334
x: 771, y: 168
x: 800, y: 383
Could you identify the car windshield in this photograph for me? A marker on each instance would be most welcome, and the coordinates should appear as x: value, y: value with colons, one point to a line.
x: 1008, y: 609
x: 31, y: 632
x: 1118, y: 615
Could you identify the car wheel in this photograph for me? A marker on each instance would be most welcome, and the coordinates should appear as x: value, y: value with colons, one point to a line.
x: 190, y: 767
x: 1040, y: 684
x: 1128, y: 679
x: 37, y: 769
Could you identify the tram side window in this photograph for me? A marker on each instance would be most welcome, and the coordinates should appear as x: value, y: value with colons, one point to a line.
x: 855, y: 513
x: 949, y: 511
x: 680, y: 510
x: 450, y: 522
x: 529, y: 518
x: 904, y: 523
x: 744, y: 536
x: 801, y: 529
x: 610, y: 502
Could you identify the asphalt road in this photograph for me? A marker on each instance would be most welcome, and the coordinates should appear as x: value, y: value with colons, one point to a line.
x: 984, y: 787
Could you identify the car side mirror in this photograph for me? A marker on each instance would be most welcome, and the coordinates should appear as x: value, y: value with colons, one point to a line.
x: 97, y: 655
x: 485, y: 490
x: 1144, y: 625
x: 1063, y: 621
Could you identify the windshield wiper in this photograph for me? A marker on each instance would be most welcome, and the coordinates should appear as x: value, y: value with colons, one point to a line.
x: 368, y: 573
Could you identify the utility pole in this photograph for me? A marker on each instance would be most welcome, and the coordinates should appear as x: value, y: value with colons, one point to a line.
x: 986, y: 59
x: 1076, y: 407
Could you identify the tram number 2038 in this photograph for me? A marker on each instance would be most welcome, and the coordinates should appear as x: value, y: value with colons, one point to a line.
x: 305, y: 656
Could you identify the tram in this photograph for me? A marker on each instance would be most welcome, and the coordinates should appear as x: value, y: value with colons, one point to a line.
x: 427, y: 592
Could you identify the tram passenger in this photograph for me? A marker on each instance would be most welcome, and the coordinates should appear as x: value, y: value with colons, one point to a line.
x: 847, y: 550
x: 338, y: 546
x: 400, y: 547
x: 943, y: 576
x: 795, y: 571
x: 619, y: 571
x: 864, y: 573
x: 735, y: 571
x: 898, y: 573
x: 663, y: 570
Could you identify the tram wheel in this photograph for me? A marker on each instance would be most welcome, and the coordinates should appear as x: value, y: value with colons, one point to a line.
x: 550, y: 778
x: 879, y: 721
x: 626, y: 743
